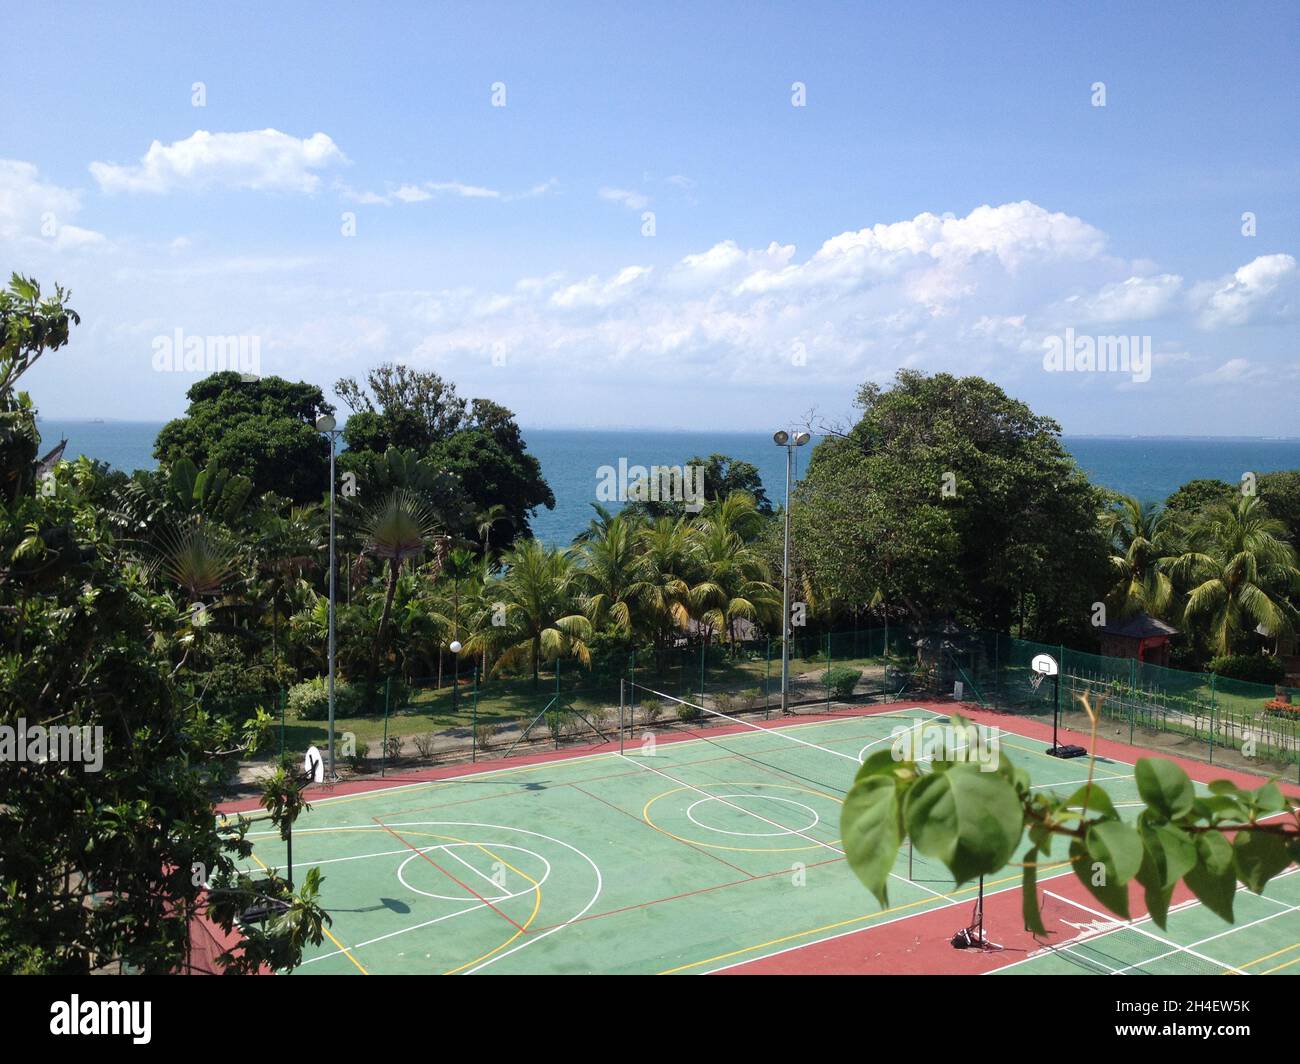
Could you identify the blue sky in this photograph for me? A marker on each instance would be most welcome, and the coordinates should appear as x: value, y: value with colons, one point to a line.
x: 948, y: 199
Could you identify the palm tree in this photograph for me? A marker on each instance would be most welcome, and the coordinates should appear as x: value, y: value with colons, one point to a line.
x: 1143, y: 540
x: 610, y: 559
x: 735, y: 582
x: 486, y: 520
x: 536, y: 597
x: 287, y: 545
x: 399, y: 528
x: 662, y: 586
x: 1239, y: 574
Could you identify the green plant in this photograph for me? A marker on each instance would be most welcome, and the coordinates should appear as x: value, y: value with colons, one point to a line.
x: 1255, y: 668
x: 357, y: 759
x: 484, y: 734
x: 424, y: 744
x: 393, y: 748
x: 687, y: 713
x: 651, y: 710
x: 841, y: 682
x: 974, y: 821
x: 309, y: 700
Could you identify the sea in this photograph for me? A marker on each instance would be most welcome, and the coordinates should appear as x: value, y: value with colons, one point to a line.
x: 1148, y: 467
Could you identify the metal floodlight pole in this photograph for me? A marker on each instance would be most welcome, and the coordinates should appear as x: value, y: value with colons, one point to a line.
x: 784, y: 439
x: 326, y: 425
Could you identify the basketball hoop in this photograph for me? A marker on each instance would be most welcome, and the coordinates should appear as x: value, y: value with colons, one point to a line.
x: 1036, y: 680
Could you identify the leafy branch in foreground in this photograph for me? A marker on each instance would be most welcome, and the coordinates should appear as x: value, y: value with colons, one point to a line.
x: 974, y: 816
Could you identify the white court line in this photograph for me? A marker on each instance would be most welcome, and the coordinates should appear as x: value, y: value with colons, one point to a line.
x: 1151, y: 934
x: 392, y: 934
x: 486, y: 878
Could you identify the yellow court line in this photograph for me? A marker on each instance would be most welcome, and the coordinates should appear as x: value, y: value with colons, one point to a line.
x: 336, y: 942
x: 844, y: 923
x: 1275, y: 953
x: 1288, y: 964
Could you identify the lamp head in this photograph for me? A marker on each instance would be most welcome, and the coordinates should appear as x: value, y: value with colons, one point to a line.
x: 781, y: 437
x: 800, y: 438
x: 455, y: 646
x: 325, y: 423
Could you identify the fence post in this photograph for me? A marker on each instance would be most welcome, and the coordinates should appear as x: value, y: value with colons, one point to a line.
x: 704, y: 654
x: 473, y: 719
x: 1213, y: 704
x: 383, y: 762
x: 767, y: 681
x: 829, y: 664
x: 284, y: 702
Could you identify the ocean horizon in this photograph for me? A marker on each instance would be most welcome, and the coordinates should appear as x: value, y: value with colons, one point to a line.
x: 1148, y: 467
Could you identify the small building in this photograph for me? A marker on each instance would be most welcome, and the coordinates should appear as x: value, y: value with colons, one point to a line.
x: 1140, y: 636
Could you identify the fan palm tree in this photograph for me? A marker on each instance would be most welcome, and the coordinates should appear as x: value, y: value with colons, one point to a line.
x: 1143, y: 539
x: 399, y: 529
x: 1238, y: 574
x: 536, y: 596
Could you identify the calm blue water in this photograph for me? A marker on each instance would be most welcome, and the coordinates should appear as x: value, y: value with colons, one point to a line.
x: 1149, y: 467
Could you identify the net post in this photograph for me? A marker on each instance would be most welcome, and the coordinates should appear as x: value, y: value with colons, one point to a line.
x: 473, y: 719
x: 284, y: 701
x: 621, y: 695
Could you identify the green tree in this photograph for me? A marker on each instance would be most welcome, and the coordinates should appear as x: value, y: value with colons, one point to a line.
x: 951, y: 499
x: 264, y: 430
x: 1143, y: 542
x: 537, y: 596
x: 1238, y: 575
x: 104, y: 864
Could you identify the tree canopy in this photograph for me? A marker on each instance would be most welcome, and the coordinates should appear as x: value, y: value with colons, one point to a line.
x: 262, y: 429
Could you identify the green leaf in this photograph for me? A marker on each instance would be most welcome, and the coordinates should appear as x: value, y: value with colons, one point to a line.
x: 1165, y: 787
x: 869, y: 828
x: 1259, y: 856
x: 1177, y: 853
x: 1269, y: 799
x: 1100, y: 880
x: 1098, y: 801
x: 1214, y: 880
x: 1029, y: 894
x: 1151, y: 876
x: 1118, y: 846
x: 968, y: 819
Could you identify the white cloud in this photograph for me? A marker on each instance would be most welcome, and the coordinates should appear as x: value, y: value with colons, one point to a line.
x: 264, y: 160
x: 1136, y: 299
x: 628, y: 198
x: 1234, y: 371
x: 36, y: 210
x: 1265, y: 288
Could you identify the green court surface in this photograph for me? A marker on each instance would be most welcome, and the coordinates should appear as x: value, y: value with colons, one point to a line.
x: 1263, y: 940
x: 682, y: 856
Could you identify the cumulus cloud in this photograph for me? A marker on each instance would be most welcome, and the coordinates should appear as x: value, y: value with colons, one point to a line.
x: 1135, y: 299
x: 1265, y: 288
x: 263, y: 160
x: 35, y: 210
x: 428, y: 190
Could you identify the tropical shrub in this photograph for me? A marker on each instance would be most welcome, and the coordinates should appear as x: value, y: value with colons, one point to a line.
x: 309, y: 700
x: 1256, y: 668
x: 842, y: 681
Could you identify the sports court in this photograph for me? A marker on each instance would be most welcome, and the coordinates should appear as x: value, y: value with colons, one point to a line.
x: 713, y: 846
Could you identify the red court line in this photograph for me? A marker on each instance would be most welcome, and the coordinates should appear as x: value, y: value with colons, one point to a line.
x: 439, y: 867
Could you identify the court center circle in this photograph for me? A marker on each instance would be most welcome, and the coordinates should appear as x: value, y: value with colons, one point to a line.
x: 737, y: 800
x: 476, y: 879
